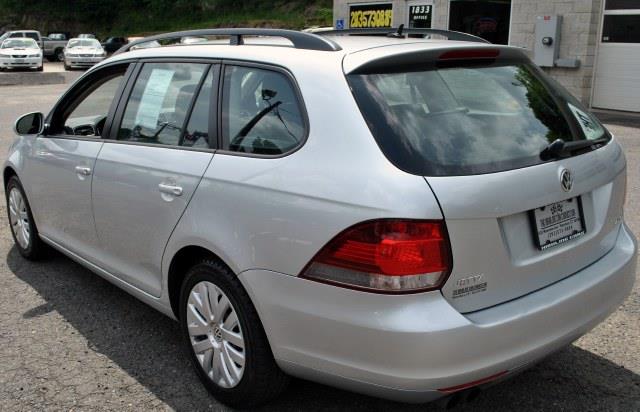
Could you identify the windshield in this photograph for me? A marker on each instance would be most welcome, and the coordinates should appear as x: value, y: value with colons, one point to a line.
x: 456, y: 120
x: 19, y: 44
x: 83, y: 43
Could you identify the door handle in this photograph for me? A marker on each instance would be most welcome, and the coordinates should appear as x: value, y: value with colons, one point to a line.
x: 83, y: 170
x: 172, y: 190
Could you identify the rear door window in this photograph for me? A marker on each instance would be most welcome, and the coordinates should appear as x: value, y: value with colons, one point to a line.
x: 485, y: 118
x: 160, y: 101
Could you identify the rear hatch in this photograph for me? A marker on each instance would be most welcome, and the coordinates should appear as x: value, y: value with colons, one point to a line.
x: 531, y: 185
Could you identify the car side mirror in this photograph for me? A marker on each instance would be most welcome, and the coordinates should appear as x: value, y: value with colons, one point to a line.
x: 31, y: 123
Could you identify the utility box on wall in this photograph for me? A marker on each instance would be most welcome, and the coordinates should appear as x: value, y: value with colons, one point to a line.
x: 547, y: 41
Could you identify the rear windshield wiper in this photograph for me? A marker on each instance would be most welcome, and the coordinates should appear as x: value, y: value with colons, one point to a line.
x: 559, y: 148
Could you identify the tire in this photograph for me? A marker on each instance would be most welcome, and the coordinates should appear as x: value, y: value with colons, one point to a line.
x: 41, y: 68
x: 59, y: 55
x: 20, y: 216
x: 260, y: 380
x: 67, y: 67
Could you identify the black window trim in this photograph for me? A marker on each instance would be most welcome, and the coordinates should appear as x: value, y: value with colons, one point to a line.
x: 213, y: 64
x: 116, y: 111
x: 214, y: 69
x: 296, y: 89
x: 79, y: 91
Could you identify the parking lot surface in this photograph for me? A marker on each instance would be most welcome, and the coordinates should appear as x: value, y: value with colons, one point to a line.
x: 53, y: 67
x: 70, y: 340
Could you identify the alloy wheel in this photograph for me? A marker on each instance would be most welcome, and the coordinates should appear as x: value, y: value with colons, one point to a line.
x: 215, y: 334
x: 19, y: 218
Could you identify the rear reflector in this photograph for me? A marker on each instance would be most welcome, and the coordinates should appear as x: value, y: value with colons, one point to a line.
x: 464, y: 54
x: 468, y: 385
x: 388, y: 256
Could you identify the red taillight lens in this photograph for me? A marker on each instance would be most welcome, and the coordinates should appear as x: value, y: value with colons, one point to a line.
x: 386, y: 256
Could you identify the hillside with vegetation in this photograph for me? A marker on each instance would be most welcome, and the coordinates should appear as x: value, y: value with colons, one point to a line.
x: 140, y: 17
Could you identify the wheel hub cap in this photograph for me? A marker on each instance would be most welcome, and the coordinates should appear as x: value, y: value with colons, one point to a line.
x: 215, y: 334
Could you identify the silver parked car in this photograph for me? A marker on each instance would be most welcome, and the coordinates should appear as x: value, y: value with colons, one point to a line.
x: 83, y: 52
x: 407, y: 218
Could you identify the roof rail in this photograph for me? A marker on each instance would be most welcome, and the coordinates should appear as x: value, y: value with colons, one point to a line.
x: 401, y: 31
x: 300, y: 40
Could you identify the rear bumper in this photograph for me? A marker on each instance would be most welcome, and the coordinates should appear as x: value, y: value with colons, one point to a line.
x: 407, y: 347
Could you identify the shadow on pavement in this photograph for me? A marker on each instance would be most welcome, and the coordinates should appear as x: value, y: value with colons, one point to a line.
x: 147, y: 346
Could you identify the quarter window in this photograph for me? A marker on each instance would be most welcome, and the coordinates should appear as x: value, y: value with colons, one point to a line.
x: 159, y: 103
x: 260, y: 112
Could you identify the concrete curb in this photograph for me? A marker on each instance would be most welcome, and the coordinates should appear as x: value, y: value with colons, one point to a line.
x: 37, y: 78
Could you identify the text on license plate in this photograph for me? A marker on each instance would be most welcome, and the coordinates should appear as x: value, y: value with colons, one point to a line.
x: 558, y: 223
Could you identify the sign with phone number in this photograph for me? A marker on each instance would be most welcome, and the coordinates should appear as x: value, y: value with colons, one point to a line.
x: 371, y: 16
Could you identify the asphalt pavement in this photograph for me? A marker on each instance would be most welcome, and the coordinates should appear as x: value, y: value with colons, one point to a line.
x: 69, y: 340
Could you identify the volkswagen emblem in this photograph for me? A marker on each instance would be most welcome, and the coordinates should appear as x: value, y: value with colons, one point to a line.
x: 217, y: 334
x: 566, y: 180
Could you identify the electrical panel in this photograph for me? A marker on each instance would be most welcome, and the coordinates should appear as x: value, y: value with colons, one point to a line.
x: 547, y: 41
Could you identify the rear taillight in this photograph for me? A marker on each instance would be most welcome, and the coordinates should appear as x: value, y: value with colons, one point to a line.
x: 387, y: 256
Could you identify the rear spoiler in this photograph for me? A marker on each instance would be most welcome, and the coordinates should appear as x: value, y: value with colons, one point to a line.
x: 396, y: 57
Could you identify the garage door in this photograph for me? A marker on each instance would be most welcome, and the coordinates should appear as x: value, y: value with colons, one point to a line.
x: 617, y: 80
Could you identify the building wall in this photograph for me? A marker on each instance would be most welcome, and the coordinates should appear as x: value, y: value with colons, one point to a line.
x: 578, y: 38
x: 580, y: 24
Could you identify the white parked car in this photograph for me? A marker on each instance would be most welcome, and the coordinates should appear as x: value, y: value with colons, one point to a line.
x: 83, y: 53
x: 20, y: 53
x: 30, y: 34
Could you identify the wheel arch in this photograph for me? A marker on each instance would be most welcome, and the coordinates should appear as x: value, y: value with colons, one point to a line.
x: 7, y: 173
x: 181, y: 262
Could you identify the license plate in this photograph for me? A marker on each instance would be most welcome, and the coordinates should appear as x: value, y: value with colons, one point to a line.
x: 558, y: 223
x: 19, y: 60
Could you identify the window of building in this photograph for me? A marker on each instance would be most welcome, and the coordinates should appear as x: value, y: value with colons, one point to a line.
x: 488, y: 19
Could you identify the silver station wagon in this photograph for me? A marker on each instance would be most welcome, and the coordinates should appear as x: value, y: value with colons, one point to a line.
x: 401, y: 216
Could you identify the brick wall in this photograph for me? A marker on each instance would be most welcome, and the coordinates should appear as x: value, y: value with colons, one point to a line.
x: 580, y: 22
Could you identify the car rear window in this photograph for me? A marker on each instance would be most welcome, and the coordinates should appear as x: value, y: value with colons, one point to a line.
x: 444, y: 120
